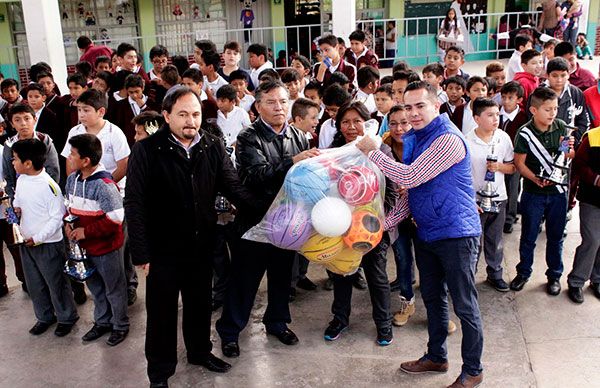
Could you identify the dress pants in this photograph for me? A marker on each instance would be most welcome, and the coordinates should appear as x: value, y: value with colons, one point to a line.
x: 5, y: 231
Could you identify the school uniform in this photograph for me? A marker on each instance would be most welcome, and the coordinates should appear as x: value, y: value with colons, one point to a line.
x: 366, y: 58
x: 232, y: 124
x: 124, y: 111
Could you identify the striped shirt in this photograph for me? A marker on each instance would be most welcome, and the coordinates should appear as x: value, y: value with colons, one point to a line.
x: 444, y: 152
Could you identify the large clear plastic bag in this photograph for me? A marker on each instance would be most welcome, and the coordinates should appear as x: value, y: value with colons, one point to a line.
x: 329, y: 209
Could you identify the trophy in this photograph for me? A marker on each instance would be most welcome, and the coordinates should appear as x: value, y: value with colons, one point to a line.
x: 11, y: 218
x: 560, y: 167
x: 77, y: 266
x: 222, y: 205
x: 487, y: 204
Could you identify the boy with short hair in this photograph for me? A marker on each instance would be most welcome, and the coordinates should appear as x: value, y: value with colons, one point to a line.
x: 77, y: 85
x: 535, y: 144
x: 52, y: 99
x: 293, y: 82
x: 522, y: 44
x: 531, y: 61
x: 383, y: 102
x: 332, y: 62
x: 455, y: 90
x: 146, y: 124
x: 102, y: 63
x: 193, y: 79
x: 239, y: 80
x: 230, y: 118
x: 102, y: 82
x: 128, y: 58
x: 159, y: 56
x: 9, y: 90
x: 40, y: 204
x: 463, y: 115
x: 433, y: 74
x: 360, y: 55
x: 368, y: 82
x: 210, y: 62
x: 334, y: 97
x: 94, y: 197
x: 46, y: 120
x: 453, y: 60
x: 496, y: 71
x: 305, y: 117
x: 548, y: 50
x: 401, y: 81
x: 491, y: 158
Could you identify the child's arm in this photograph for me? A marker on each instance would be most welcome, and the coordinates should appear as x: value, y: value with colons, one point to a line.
x: 121, y: 170
x: 56, y: 212
x: 526, y: 172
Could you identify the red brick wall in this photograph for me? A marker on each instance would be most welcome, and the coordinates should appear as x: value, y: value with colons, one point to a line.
x: 597, y: 49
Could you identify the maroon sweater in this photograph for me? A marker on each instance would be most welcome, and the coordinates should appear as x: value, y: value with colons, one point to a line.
x: 586, y: 166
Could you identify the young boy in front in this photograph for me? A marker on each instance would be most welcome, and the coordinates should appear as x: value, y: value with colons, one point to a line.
x: 334, y: 97
x: 453, y: 60
x: 46, y: 122
x: 536, y: 144
x: 9, y: 90
x: 463, y: 115
x: 128, y: 59
x: 159, y: 56
x: 293, y: 83
x: 531, y: 61
x: 40, y: 203
x: 484, y: 141
x: 230, y: 118
x: 433, y: 74
x: 360, y: 55
x: 522, y: 44
x: 94, y: 197
x: 305, y: 117
x: 77, y: 85
x: 455, y: 90
x: 367, y: 78
x: 384, y: 101
x: 332, y: 62
x: 239, y: 80
x: 210, y: 62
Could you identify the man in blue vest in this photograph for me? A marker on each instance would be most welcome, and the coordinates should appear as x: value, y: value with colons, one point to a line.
x: 441, y: 199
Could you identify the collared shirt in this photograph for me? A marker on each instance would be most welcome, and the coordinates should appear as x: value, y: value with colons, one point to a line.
x: 280, y: 133
x: 468, y: 123
x: 327, y: 133
x: 215, y: 85
x: 246, y: 102
x: 37, y: 116
x: 256, y: 72
x: 117, y: 96
x: 582, y: 78
x: 232, y: 123
x: 442, y: 96
x: 514, y: 66
x: 152, y: 75
x: 367, y: 99
x: 187, y: 149
x: 135, y: 107
x: 509, y: 116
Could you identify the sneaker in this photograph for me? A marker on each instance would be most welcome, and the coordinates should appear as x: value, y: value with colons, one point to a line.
x: 306, y: 284
x: 385, y: 336
x: 508, y: 228
x: 334, y: 330
x: 451, y: 327
x: 498, y: 284
x: 407, y: 309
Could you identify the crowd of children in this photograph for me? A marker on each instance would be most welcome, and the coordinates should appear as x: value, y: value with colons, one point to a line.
x: 516, y: 121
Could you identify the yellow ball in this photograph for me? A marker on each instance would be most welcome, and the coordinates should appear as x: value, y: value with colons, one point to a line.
x: 321, y: 249
x: 346, y: 262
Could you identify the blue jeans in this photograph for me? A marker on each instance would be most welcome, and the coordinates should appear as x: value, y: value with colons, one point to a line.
x: 449, y: 265
x: 404, y: 259
x: 533, y: 208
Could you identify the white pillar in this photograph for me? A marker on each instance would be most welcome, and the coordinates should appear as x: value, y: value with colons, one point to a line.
x: 45, y: 37
x: 343, y: 17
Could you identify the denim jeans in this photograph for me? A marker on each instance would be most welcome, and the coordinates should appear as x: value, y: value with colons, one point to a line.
x: 404, y: 260
x: 533, y: 207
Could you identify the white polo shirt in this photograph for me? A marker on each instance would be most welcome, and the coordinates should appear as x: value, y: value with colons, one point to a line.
x: 232, y: 124
x: 327, y: 133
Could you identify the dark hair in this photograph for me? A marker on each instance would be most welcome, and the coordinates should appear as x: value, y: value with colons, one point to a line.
x: 238, y: 74
x: 541, y: 95
x: 105, y: 76
x: 20, y: 108
x: 87, y: 146
x: 101, y: 59
x: 37, y: 68
x: 44, y: 74
x: 402, y: 75
x: 365, y: 75
x: 134, y: 81
x: 396, y: 108
x: 312, y: 85
x: 232, y: 45
x: 522, y: 40
x: 460, y: 81
x: 341, y: 41
x: 557, y: 64
x: 357, y: 106
x: 211, y: 58
x: 422, y: 85
x: 480, y: 104
x: 174, y: 95
x: 205, y: 45
x: 413, y: 76
x: 400, y: 66
x: 329, y: 39
x: 339, y: 78
x: 528, y: 55
x: 269, y: 73
x: 158, y: 51
x: 491, y: 83
x: 94, y: 98
x: 290, y: 75
x: 493, y: 67
x: 388, y: 79
x: 301, y: 107
x: 457, y: 50
x: 148, y: 116
x: 564, y: 48
x: 170, y: 75
x: 336, y: 95
x: 193, y: 74
x: 31, y: 149
x: 266, y: 87
x: 476, y: 79
x: 305, y: 63
x: 551, y: 42
x: 35, y: 86
x: 84, y: 68
x: 513, y: 87
x: 78, y: 79
x: 447, y: 21
x: 118, y: 79
x: 7, y: 83
x: 124, y: 48
x: 386, y: 88
x: 434, y: 68
x: 227, y: 92
x: 181, y: 63
x: 258, y: 50
x: 83, y: 42
x: 357, y: 35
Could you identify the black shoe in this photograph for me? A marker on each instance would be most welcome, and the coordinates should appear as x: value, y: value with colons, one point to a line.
x: 159, y: 384
x: 395, y: 286
x: 292, y: 294
x: 79, y: 295
x: 216, y: 304
x: 62, y: 329
x: 508, y: 228
x: 3, y: 290
x: 24, y: 288
x: 553, y: 287
x: 328, y: 284
x: 41, y: 327
x: 212, y: 363
x: 595, y: 289
x: 116, y: 337
x: 286, y: 337
x: 518, y: 282
x: 230, y: 349
x: 498, y: 284
x: 96, y: 332
x: 334, y: 330
x: 575, y: 294
x: 131, y: 296
x: 359, y: 280
x: 385, y: 336
x: 306, y: 284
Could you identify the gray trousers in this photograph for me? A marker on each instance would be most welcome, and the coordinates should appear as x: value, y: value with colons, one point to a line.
x: 130, y: 273
x: 513, y: 186
x: 48, y: 286
x: 109, y: 290
x: 586, y: 265
x: 491, y: 241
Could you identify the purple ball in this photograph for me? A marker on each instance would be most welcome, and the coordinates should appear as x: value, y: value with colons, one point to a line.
x: 289, y: 225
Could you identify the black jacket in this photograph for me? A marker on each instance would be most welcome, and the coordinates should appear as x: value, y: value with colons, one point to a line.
x: 263, y: 158
x: 170, y: 197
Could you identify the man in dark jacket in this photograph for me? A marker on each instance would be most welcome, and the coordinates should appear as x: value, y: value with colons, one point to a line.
x: 266, y: 150
x: 173, y: 179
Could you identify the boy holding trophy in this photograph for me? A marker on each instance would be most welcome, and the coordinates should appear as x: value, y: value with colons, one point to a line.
x: 39, y: 201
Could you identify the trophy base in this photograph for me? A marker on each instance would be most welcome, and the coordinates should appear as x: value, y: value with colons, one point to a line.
x: 563, y: 181
x: 493, y: 209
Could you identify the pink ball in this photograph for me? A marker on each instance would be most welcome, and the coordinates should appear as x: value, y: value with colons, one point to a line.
x: 289, y: 226
x: 358, y: 185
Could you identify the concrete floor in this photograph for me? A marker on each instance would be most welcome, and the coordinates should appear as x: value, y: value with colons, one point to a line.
x: 531, y: 340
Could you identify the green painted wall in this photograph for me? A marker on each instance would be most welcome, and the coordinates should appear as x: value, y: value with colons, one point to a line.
x: 278, y: 20
x: 8, y: 65
x: 593, y: 20
x: 147, y: 28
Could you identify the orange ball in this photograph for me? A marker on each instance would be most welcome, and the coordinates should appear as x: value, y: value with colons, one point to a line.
x: 365, y: 231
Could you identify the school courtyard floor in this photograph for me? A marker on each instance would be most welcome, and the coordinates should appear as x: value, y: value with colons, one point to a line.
x: 531, y: 339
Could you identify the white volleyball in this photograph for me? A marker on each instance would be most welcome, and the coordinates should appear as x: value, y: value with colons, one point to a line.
x: 331, y: 217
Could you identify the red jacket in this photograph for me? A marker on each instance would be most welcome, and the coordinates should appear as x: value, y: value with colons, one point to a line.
x: 92, y: 52
x: 529, y: 82
x: 592, y: 100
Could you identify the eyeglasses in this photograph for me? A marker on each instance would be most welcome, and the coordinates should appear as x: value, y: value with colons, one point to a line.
x: 159, y: 61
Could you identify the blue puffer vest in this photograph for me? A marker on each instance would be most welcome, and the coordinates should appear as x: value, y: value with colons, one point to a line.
x: 445, y: 206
